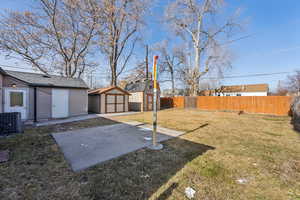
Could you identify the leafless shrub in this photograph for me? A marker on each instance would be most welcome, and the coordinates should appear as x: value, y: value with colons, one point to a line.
x: 122, y: 21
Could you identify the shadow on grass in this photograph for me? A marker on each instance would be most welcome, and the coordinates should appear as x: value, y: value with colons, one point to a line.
x: 167, y: 192
x: 195, y: 129
x: 137, y: 175
x: 140, y: 174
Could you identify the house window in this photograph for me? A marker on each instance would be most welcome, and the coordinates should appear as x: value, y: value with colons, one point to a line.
x: 16, y: 99
x: 238, y: 95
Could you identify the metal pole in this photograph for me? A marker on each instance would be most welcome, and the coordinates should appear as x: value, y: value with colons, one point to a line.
x: 155, y: 145
x: 154, y: 102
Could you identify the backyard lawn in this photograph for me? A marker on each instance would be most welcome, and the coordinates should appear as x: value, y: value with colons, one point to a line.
x: 222, y: 156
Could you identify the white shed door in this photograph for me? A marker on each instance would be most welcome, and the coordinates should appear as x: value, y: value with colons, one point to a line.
x: 15, y: 101
x: 60, y: 103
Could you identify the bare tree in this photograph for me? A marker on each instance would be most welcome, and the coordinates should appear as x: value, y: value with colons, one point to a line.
x: 123, y: 19
x: 55, y: 37
x: 210, y: 84
x: 293, y: 83
x: 141, y: 70
x: 198, y: 22
x: 136, y: 73
x: 171, y: 58
x: 281, y: 90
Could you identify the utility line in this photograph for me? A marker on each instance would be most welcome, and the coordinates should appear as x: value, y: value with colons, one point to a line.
x: 97, y: 74
x: 248, y: 75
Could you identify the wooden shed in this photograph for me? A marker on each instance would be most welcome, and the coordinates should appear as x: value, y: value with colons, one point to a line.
x: 108, y: 100
x: 141, y: 98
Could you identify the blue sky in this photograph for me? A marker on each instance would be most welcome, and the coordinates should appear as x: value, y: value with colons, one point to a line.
x: 274, y: 45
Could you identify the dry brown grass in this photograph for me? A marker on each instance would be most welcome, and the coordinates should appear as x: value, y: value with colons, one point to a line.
x: 218, y: 149
x: 264, y: 150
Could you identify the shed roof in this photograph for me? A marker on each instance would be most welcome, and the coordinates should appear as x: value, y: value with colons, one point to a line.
x: 103, y: 90
x: 42, y: 80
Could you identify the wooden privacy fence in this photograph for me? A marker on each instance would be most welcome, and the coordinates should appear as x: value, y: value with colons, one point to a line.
x: 166, y: 102
x: 172, y: 102
x: 274, y: 105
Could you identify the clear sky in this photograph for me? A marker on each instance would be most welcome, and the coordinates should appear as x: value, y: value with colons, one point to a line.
x: 274, y: 45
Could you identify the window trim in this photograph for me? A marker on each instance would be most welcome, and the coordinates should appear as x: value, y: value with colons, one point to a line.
x: 10, y: 99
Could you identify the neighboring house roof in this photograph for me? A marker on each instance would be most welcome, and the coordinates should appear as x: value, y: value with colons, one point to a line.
x: 103, y: 90
x: 139, y: 86
x: 207, y: 92
x: 245, y: 88
x: 42, y: 80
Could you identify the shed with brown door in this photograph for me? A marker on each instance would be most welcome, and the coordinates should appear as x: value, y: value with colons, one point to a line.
x: 108, y: 100
x: 141, y: 98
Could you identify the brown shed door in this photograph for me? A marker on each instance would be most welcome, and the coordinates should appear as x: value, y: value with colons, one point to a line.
x: 149, y: 102
x: 115, y: 103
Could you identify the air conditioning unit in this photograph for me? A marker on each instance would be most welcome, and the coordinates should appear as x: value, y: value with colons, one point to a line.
x: 10, y: 123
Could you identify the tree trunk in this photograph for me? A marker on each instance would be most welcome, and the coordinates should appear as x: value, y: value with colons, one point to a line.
x: 194, y: 88
x: 173, y: 84
x: 195, y: 78
x: 113, y: 75
x: 70, y: 70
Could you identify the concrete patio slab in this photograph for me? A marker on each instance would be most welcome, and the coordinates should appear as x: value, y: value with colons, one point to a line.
x: 86, y: 147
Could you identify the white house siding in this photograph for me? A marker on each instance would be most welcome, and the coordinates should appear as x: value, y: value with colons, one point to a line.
x: 136, y: 101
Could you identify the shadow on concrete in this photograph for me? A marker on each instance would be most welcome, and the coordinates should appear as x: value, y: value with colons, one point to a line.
x: 139, y: 174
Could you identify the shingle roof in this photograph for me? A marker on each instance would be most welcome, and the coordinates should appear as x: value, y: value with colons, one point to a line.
x: 43, y: 80
x: 136, y: 87
x: 246, y: 88
x: 103, y: 90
